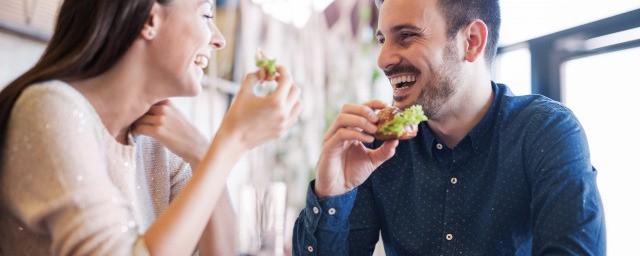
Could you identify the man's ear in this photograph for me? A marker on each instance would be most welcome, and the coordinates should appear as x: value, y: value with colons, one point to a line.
x: 151, y: 27
x: 476, y: 40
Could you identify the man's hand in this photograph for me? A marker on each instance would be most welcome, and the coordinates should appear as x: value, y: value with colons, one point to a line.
x: 345, y: 162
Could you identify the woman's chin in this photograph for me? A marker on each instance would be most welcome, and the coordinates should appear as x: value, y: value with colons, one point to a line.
x: 194, y: 90
x: 195, y: 85
x: 188, y: 89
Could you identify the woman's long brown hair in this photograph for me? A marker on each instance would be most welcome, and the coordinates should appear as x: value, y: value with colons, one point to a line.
x: 89, y: 37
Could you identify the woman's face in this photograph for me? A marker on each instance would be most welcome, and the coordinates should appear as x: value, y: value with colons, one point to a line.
x: 185, y: 39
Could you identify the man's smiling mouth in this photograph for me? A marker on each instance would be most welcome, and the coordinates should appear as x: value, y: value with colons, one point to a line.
x: 402, y: 82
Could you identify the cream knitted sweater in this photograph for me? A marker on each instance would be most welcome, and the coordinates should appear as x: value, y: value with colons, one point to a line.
x: 69, y: 188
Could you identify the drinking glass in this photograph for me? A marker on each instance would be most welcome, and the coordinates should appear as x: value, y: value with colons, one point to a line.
x: 261, y: 219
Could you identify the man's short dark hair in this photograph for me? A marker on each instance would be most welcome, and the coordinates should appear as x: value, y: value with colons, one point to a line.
x: 459, y: 13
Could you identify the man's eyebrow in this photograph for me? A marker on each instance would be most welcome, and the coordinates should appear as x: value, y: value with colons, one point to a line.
x: 399, y: 28
x: 405, y: 26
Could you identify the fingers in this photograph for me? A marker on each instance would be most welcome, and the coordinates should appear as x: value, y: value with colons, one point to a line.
x: 144, y: 129
x: 384, y: 152
x: 263, y: 75
x: 285, y: 83
x: 151, y: 120
x: 359, y: 117
x: 375, y: 104
x: 164, y: 102
x: 287, y: 93
x: 342, y: 135
x: 360, y: 110
x: 247, y: 83
x: 160, y: 108
x: 293, y: 97
x: 148, y: 124
x: 352, y: 122
x: 294, y: 114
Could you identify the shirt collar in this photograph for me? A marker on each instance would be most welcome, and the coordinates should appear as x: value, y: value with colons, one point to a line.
x: 479, y: 135
x: 425, y: 134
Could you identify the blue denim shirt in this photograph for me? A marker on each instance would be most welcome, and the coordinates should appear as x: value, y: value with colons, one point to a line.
x: 520, y: 183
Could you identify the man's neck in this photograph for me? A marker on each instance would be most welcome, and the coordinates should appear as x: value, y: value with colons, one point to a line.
x: 463, y: 113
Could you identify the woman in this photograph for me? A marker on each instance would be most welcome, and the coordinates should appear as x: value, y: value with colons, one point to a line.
x: 93, y: 156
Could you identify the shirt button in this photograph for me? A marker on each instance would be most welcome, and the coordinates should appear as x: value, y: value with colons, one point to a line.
x: 439, y: 145
x: 316, y: 210
x: 310, y: 248
x: 449, y: 237
x: 332, y: 211
x: 454, y: 180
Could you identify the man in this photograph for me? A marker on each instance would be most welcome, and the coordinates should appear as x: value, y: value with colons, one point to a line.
x: 489, y: 174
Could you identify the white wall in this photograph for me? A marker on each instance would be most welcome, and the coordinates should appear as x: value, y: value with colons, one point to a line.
x: 17, y: 55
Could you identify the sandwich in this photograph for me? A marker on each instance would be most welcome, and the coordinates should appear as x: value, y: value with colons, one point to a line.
x: 269, y: 65
x: 394, y: 123
x: 268, y: 85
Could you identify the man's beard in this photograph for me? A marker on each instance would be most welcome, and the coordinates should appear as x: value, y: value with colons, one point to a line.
x: 444, y: 83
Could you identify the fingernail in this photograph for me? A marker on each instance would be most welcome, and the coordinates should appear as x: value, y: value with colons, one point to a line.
x: 372, y: 116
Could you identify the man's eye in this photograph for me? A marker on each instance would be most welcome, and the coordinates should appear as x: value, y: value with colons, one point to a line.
x: 381, y: 40
x: 207, y: 16
x: 404, y: 37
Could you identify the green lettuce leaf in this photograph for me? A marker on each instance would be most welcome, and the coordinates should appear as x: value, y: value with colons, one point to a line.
x: 269, y: 64
x: 411, y: 115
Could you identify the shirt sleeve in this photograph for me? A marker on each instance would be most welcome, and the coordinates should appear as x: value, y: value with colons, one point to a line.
x: 323, y: 226
x: 364, y: 224
x: 566, y: 208
x: 56, y: 181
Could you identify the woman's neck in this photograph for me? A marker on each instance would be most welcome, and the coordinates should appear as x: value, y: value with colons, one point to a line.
x: 119, y: 96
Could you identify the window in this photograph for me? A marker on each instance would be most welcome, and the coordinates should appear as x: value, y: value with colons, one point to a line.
x: 513, y: 68
x: 524, y: 20
x: 601, y: 91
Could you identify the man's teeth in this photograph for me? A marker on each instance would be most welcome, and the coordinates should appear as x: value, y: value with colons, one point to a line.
x: 202, y: 61
x: 402, y: 79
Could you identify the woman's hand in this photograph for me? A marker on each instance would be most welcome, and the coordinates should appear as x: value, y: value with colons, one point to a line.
x: 165, y: 123
x: 253, y: 120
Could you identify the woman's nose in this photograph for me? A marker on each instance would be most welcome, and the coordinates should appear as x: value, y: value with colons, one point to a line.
x: 217, y: 40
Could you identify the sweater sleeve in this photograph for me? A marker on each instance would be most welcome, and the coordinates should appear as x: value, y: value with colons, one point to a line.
x: 55, y: 177
x: 180, y: 173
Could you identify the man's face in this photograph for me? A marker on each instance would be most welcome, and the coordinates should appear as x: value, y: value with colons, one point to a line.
x: 416, y: 55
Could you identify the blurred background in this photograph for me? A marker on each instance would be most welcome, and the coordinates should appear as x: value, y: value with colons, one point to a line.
x: 584, y: 53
